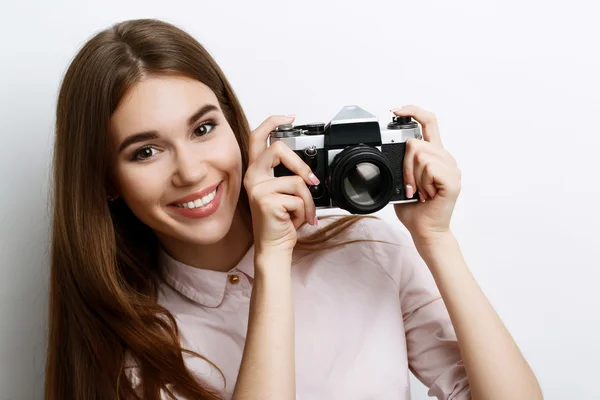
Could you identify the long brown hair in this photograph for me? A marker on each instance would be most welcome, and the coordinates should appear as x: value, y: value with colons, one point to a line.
x: 104, y: 276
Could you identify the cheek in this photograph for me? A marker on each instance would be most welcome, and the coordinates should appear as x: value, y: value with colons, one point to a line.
x: 228, y: 157
x: 141, y: 186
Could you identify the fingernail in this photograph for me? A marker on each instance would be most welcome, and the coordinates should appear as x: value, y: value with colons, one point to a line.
x: 396, y: 109
x: 291, y: 115
x: 313, y: 179
x: 410, y: 192
x: 316, y: 221
x: 422, y: 198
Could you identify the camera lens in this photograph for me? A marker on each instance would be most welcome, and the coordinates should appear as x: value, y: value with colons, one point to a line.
x: 361, y: 180
x: 362, y: 184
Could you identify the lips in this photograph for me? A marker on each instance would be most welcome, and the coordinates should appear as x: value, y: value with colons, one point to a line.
x: 199, y: 208
x: 196, y: 195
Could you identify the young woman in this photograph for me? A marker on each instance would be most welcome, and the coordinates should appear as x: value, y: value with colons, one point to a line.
x: 181, y: 268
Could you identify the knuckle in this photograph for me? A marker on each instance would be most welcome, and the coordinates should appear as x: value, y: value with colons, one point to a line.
x: 248, y: 180
x: 255, y: 193
x: 298, y: 181
x: 251, y: 194
x: 267, y: 207
x: 248, y: 175
x: 421, y: 158
x: 300, y: 209
x: 430, y: 118
x: 414, y: 144
x: 427, y: 168
x: 411, y: 143
x: 278, y: 146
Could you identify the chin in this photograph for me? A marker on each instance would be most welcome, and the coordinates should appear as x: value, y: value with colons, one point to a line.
x: 210, y: 233
x: 207, y: 233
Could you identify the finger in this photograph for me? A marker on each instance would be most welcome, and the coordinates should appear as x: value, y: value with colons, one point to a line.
x: 292, y: 205
x: 421, y: 161
x: 277, y: 154
x: 427, y: 119
x: 444, y: 178
x: 428, y: 173
x: 409, y: 166
x: 414, y: 148
x: 258, y: 137
x: 294, y: 186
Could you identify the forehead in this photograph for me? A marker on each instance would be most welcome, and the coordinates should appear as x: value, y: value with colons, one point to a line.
x: 160, y: 103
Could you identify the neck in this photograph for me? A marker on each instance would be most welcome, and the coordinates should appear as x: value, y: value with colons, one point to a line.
x: 221, y: 256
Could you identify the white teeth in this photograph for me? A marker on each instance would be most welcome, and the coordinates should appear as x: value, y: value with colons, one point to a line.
x: 199, y: 202
x: 208, y: 198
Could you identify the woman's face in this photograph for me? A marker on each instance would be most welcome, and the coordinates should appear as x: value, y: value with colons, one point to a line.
x: 177, y: 163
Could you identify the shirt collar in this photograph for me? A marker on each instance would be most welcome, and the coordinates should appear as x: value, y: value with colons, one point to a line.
x: 203, y: 286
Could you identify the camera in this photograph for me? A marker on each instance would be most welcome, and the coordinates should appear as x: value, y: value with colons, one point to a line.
x: 360, y: 165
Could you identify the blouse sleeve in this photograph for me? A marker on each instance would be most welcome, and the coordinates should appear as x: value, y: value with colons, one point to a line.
x: 433, y: 352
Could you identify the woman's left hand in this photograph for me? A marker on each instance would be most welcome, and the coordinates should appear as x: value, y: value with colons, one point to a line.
x: 434, y: 172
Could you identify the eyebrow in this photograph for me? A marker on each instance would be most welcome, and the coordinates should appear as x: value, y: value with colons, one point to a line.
x: 143, y: 136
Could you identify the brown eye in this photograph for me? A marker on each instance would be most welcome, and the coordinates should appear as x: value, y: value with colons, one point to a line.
x: 204, y: 128
x: 144, y: 153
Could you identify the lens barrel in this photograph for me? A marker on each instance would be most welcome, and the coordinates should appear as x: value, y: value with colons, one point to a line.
x: 360, y: 179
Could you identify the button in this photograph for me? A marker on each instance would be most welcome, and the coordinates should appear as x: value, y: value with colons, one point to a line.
x: 311, y: 151
x: 316, y: 191
x: 310, y: 157
x: 234, y: 279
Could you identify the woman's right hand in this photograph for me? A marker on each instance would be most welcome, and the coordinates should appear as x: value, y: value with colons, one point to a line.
x: 278, y: 205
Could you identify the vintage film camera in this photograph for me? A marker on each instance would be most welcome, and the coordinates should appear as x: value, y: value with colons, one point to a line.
x: 360, y: 166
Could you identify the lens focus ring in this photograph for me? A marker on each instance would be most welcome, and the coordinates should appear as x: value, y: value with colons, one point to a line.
x: 361, y: 180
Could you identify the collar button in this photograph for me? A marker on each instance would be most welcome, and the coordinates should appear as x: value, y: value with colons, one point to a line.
x: 234, y: 279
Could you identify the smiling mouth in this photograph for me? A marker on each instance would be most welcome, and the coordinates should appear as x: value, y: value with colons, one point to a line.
x: 198, y: 203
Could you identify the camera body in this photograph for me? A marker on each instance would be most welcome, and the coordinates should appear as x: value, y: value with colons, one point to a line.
x: 360, y: 165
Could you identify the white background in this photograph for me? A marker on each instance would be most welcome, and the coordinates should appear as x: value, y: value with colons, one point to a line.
x: 514, y: 85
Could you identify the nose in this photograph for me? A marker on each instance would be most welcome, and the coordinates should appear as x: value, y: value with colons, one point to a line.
x: 189, y: 167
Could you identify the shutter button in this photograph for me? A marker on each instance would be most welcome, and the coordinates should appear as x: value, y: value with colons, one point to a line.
x: 234, y: 279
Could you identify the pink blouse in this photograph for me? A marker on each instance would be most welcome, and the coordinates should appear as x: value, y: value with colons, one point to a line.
x: 365, y: 313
